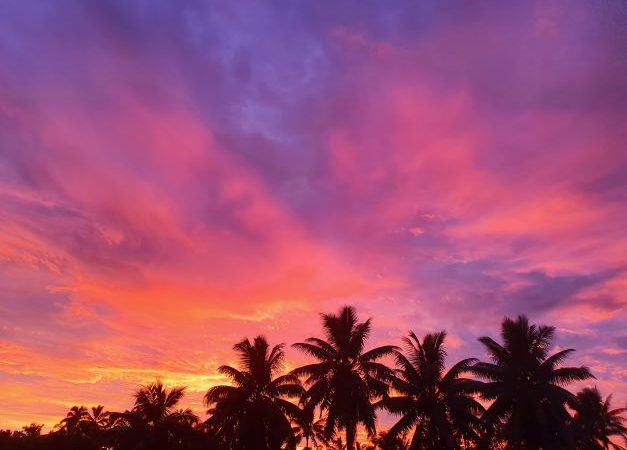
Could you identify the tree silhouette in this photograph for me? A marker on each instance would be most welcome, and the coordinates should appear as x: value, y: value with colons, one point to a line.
x: 307, y: 427
x: 98, y: 417
x: 72, y: 423
x: 33, y: 430
x: 252, y: 413
x: 337, y: 444
x: 154, y: 423
x: 595, y: 422
x: 437, y: 406
x: 345, y: 378
x: 526, y: 386
x: 385, y: 442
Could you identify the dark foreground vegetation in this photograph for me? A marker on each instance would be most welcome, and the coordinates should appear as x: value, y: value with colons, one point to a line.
x: 518, y: 399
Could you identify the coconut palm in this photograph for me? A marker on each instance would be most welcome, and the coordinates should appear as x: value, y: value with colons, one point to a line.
x: 384, y: 442
x: 72, y: 423
x: 337, y: 444
x: 345, y: 379
x: 32, y: 431
x: 154, y: 422
x: 526, y: 386
x: 307, y: 427
x: 437, y: 406
x: 98, y: 417
x: 595, y: 422
x: 253, y: 412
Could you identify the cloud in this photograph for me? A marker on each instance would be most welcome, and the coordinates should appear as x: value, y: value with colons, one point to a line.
x: 173, y: 178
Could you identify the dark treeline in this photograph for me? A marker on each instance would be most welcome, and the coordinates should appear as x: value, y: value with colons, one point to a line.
x: 518, y: 399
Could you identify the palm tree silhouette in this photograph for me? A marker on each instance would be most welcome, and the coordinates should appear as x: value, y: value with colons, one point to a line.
x: 526, y: 386
x: 32, y: 431
x: 385, y: 442
x: 439, y: 407
x: 154, y: 423
x: 98, y: 417
x: 595, y: 422
x: 253, y: 413
x: 307, y: 427
x: 336, y: 444
x: 345, y: 378
x: 73, y: 421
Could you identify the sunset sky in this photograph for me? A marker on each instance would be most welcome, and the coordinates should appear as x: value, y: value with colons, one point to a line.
x: 175, y: 176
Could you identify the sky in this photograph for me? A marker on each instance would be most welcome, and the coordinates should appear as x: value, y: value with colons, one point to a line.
x: 175, y: 176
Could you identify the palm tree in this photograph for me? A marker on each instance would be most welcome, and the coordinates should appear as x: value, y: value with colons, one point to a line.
x: 337, y: 444
x: 95, y: 426
x: 307, y: 427
x: 438, y: 406
x: 384, y: 442
x: 154, y: 423
x: 73, y: 421
x: 98, y: 417
x: 252, y: 413
x: 32, y: 431
x: 595, y: 422
x: 345, y: 378
x: 526, y: 386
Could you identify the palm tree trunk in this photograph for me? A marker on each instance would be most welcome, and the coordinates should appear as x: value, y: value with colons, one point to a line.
x: 351, y: 431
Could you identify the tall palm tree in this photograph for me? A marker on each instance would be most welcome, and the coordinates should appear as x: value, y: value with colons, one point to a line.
x: 253, y: 412
x: 307, y: 427
x: 527, y: 386
x: 345, y: 379
x: 595, y: 421
x: 154, y: 422
x: 437, y: 406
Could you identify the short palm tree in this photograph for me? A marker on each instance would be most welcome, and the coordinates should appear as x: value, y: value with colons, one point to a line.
x: 526, y: 387
x: 154, y: 422
x: 336, y: 444
x: 595, y: 422
x: 308, y: 428
x: 345, y: 379
x: 72, y: 423
x: 384, y: 442
x: 253, y: 412
x: 438, y: 407
x: 32, y: 431
x: 98, y: 417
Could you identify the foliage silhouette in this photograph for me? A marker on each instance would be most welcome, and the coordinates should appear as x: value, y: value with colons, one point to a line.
x: 438, y: 406
x: 253, y: 413
x: 596, y: 423
x: 523, y: 388
x: 527, y: 387
x: 345, y: 378
x: 154, y: 422
x: 309, y: 429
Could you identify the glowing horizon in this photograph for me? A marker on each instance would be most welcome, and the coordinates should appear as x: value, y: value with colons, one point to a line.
x: 174, y: 178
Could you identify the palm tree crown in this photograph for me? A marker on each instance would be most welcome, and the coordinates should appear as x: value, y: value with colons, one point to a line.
x: 73, y: 421
x: 252, y: 413
x: 154, y: 422
x: 345, y: 378
x: 438, y: 405
x: 595, y: 421
x: 526, y: 386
